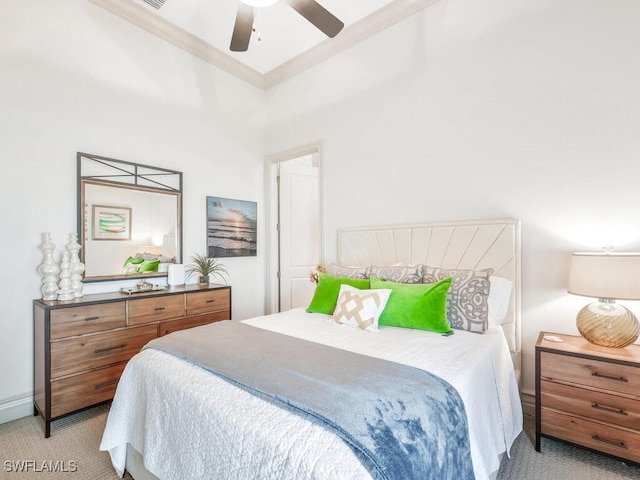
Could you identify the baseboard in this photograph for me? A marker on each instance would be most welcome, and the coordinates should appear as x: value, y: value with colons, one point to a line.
x: 528, y: 399
x: 16, y: 407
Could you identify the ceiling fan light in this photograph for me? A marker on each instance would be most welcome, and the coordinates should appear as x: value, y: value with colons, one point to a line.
x: 259, y: 3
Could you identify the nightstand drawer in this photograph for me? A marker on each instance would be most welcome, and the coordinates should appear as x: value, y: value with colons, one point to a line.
x: 209, y: 301
x: 67, y: 322
x: 595, y: 405
x: 79, y: 391
x: 612, y: 440
x: 83, y: 353
x: 592, y: 373
x: 155, y: 308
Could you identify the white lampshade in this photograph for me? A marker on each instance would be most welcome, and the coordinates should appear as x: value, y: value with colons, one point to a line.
x: 608, y: 277
x: 259, y: 3
x: 605, y: 275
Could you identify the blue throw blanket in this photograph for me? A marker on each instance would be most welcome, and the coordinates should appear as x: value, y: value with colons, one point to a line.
x: 402, y: 422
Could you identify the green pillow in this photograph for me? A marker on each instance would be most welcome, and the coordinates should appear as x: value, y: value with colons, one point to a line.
x: 149, y: 266
x: 326, y: 295
x: 134, y: 261
x: 422, y: 306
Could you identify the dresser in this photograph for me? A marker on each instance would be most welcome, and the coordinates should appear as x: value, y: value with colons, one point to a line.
x: 588, y: 395
x: 81, y: 346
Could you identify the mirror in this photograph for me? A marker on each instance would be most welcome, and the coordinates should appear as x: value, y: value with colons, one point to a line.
x: 129, y: 218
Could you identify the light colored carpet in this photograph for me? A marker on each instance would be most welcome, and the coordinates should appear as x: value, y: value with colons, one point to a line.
x: 559, y: 461
x: 73, y: 444
x: 76, y: 439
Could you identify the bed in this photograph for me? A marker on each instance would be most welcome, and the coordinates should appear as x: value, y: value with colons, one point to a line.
x: 172, y: 418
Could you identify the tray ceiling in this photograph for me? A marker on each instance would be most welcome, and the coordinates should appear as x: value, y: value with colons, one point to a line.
x: 289, y: 43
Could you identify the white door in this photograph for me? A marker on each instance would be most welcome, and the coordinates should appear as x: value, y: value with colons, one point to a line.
x: 299, y: 231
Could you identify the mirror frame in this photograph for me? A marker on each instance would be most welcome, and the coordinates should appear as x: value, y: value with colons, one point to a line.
x: 128, y: 175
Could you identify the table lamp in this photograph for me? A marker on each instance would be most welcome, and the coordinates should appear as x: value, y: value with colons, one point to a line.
x: 607, y: 276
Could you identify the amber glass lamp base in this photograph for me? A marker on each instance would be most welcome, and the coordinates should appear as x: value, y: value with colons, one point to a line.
x: 608, y: 325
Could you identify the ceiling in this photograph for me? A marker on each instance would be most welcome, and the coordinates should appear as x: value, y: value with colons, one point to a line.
x: 289, y: 43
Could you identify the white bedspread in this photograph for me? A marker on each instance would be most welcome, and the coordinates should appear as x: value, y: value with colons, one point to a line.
x: 190, y: 424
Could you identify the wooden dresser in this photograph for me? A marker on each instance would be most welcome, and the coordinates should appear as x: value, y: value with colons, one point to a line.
x: 81, y: 346
x: 588, y: 395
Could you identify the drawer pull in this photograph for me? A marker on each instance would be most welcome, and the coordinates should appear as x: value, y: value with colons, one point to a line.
x: 159, y: 309
x: 102, y: 385
x: 102, y: 350
x: 91, y: 319
x: 211, y: 301
x: 609, y: 409
x: 610, y: 377
x: 609, y: 442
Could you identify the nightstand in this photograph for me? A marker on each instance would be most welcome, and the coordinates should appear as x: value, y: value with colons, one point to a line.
x: 588, y: 395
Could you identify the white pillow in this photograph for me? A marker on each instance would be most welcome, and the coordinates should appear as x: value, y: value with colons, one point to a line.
x: 360, y: 308
x: 499, y: 299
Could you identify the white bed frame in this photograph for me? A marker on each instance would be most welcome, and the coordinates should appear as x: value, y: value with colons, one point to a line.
x: 471, y: 245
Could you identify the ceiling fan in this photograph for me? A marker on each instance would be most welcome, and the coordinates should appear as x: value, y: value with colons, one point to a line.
x: 315, y: 13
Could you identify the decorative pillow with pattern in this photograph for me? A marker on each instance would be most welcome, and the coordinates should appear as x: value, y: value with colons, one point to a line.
x: 348, y: 272
x: 399, y: 274
x: 360, y: 308
x: 467, y: 299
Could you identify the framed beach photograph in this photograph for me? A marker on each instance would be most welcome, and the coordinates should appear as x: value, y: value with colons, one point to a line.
x: 111, y: 223
x: 231, y: 227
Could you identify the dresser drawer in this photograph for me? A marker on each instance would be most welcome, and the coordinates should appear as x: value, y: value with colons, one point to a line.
x: 592, y: 404
x: 615, y: 441
x: 209, y: 301
x: 592, y: 373
x: 67, y: 322
x: 79, y: 391
x: 84, y: 353
x: 175, y: 325
x: 156, y: 308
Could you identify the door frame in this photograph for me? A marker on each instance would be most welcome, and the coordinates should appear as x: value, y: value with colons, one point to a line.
x: 273, y: 255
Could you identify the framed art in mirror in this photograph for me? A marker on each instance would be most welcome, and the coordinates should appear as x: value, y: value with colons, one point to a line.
x: 129, y: 218
x: 111, y: 223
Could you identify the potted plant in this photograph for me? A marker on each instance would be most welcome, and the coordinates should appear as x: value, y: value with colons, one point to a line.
x: 205, y: 267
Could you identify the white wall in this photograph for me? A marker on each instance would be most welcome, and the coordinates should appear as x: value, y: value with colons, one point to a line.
x: 500, y: 108
x: 76, y: 78
x: 522, y: 108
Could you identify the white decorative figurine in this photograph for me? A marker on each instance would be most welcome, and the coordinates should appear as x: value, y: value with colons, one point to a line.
x: 48, y: 269
x: 77, y: 267
x: 64, y: 286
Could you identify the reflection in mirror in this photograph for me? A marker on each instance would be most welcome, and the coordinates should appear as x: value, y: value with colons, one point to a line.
x: 129, y: 218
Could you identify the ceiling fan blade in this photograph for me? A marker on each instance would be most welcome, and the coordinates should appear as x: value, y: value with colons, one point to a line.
x: 242, y: 29
x: 322, y: 18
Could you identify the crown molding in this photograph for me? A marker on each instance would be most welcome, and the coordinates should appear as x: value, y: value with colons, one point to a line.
x: 139, y: 15
x: 379, y: 20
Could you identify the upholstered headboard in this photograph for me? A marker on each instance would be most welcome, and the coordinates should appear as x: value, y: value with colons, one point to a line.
x: 473, y: 245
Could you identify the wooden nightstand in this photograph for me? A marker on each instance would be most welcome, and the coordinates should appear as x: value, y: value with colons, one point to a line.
x: 588, y: 395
